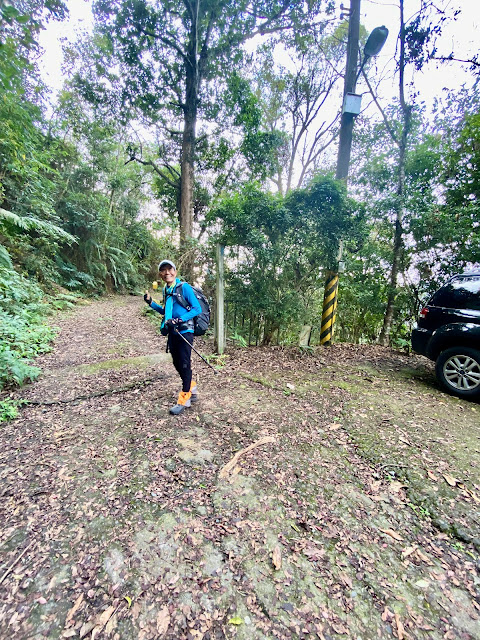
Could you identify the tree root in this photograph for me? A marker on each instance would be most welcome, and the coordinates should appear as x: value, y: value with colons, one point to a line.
x: 97, y: 394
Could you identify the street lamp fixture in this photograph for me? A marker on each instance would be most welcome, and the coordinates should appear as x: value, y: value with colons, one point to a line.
x: 374, y: 45
x: 353, y: 101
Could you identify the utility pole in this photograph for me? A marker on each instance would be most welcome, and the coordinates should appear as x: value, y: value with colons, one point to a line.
x: 329, y: 312
x: 348, y: 116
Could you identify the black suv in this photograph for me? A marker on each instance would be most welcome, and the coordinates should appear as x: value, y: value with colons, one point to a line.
x: 448, y: 332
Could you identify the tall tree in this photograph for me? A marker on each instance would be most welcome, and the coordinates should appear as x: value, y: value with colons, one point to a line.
x: 415, y: 38
x: 401, y: 139
x: 168, y: 54
x: 296, y: 98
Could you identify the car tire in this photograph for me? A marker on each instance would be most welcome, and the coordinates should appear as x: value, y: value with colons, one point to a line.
x: 458, y: 371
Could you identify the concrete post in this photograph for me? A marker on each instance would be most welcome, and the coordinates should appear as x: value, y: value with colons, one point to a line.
x: 220, y: 304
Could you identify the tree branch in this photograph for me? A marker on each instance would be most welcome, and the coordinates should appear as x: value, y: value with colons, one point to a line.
x: 384, y: 115
x: 473, y: 62
x: 150, y: 163
x: 166, y: 41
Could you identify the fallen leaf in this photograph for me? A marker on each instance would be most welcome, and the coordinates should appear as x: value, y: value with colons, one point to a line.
x: 333, y: 426
x: 163, y: 620
x: 129, y: 601
x: 423, y: 557
x: 277, y: 558
x: 235, y: 620
x: 75, y: 608
x: 400, y: 629
x: 408, y: 551
x: 431, y: 475
x: 104, y: 617
x: 86, y: 628
x: 137, y: 607
x: 346, y: 580
x: 393, y: 534
x: 467, y: 491
x: 110, y: 626
x: 395, y: 486
x: 387, y: 615
x: 450, y: 480
x: 340, y: 628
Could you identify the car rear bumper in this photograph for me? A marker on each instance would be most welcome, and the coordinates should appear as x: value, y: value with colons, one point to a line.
x: 420, y: 340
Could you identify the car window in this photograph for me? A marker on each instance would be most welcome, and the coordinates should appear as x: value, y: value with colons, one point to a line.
x: 461, y: 293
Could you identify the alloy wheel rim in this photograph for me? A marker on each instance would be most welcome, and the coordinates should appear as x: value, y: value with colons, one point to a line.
x: 462, y: 372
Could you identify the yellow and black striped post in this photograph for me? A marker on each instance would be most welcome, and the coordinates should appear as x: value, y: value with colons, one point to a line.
x: 329, y: 312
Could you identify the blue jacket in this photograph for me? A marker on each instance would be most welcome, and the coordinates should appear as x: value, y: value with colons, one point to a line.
x: 178, y: 311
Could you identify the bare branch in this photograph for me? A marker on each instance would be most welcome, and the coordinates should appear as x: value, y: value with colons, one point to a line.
x: 150, y: 163
x: 473, y: 62
x: 384, y: 115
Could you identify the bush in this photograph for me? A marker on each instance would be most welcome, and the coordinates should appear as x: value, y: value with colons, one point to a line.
x: 23, y: 334
x: 8, y: 410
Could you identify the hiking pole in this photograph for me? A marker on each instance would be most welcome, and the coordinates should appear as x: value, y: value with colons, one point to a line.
x: 198, y: 354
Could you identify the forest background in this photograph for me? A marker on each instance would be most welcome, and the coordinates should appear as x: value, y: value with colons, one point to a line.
x: 182, y: 124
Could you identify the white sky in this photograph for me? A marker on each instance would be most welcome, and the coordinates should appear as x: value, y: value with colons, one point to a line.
x: 459, y: 36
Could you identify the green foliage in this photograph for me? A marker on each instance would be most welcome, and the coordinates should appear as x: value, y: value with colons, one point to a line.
x: 14, y: 369
x: 11, y: 223
x: 19, y: 26
x: 279, y: 246
x: 22, y: 332
x: 462, y: 176
x: 238, y: 339
x: 8, y: 410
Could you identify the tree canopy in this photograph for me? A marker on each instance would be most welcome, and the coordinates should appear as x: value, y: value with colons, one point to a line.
x: 192, y: 122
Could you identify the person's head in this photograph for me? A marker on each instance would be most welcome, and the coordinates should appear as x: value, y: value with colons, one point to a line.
x: 167, y: 271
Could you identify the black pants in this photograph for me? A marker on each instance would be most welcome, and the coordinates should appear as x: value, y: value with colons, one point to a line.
x: 181, y: 356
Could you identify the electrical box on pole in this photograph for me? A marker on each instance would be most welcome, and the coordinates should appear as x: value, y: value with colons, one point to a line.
x: 352, y: 103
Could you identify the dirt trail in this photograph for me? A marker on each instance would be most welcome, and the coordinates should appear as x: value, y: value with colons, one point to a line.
x: 361, y: 520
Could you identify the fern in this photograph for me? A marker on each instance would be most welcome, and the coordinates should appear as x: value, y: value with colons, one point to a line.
x: 8, y: 410
x: 15, y: 369
x: 29, y: 223
x: 5, y: 260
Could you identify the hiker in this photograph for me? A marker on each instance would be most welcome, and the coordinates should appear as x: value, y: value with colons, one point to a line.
x: 178, y: 325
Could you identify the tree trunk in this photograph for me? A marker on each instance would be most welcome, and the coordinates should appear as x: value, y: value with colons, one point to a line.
x: 384, y: 337
x: 187, y: 178
x: 187, y: 158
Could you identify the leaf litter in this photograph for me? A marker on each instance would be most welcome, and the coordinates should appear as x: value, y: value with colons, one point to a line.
x: 325, y: 529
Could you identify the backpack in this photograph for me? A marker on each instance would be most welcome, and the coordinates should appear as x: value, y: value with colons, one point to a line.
x: 200, y: 322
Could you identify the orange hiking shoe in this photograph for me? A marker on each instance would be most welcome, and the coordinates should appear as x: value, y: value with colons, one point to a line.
x: 183, y: 402
x: 194, y: 392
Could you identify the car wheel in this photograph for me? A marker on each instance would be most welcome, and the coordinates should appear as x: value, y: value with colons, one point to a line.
x: 458, y: 371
